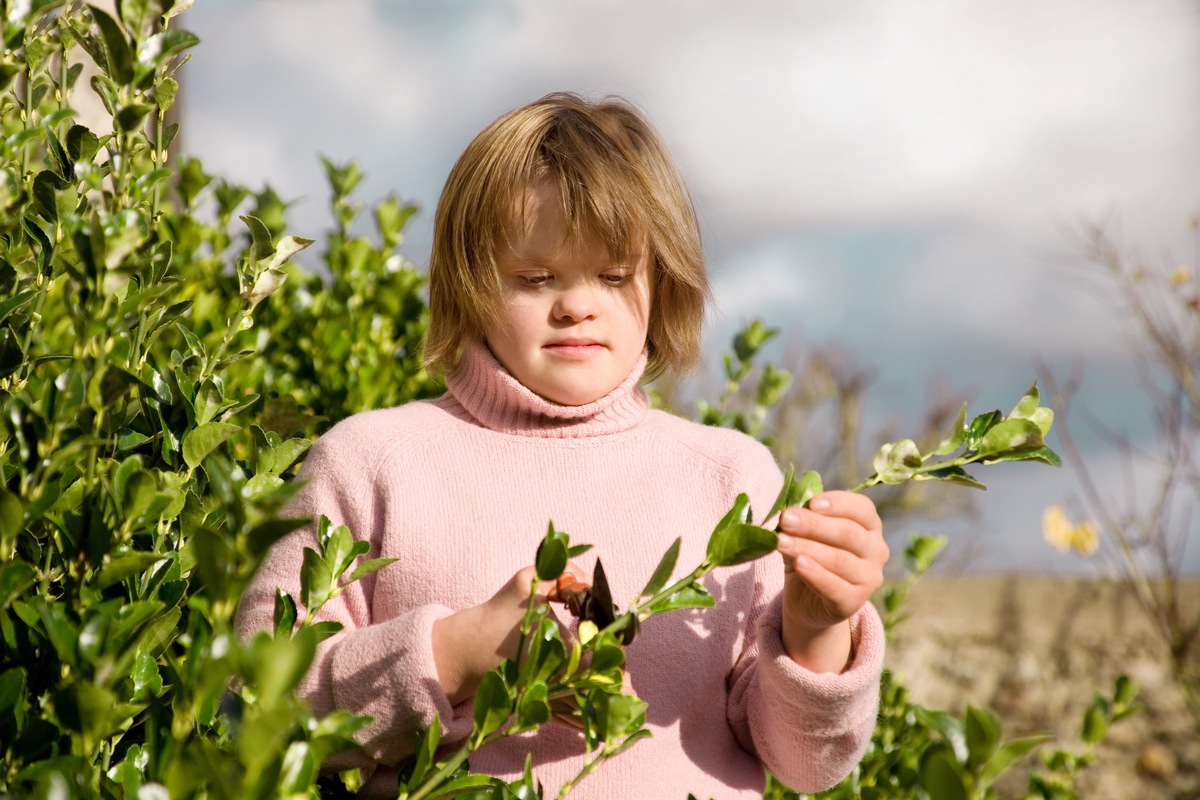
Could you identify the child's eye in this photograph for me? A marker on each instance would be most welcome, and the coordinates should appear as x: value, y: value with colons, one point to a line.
x: 615, y: 278
x: 535, y: 280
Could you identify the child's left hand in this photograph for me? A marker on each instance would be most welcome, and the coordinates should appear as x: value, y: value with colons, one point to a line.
x: 833, y: 556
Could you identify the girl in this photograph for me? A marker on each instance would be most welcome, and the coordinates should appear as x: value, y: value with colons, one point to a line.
x: 566, y: 268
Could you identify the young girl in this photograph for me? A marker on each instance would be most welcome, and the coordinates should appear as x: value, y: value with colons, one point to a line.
x: 566, y: 268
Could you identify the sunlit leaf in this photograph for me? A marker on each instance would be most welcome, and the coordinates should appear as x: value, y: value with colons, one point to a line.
x: 1011, y: 436
x: 693, y: 595
x: 735, y: 544
x: 369, y: 568
x: 315, y: 581
x: 199, y: 442
x: 662, y: 572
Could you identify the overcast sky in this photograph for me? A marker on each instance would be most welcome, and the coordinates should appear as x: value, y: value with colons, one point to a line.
x: 907, y: 181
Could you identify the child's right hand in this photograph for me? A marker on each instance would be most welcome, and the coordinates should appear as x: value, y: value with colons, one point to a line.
x: 473, y: 641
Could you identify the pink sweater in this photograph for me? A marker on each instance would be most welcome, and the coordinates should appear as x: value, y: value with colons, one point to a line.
x: 460, y: 490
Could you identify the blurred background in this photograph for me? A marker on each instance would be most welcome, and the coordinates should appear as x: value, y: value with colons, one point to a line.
x: 908, y: 188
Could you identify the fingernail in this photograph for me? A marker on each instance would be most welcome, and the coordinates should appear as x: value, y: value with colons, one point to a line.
x: 788, y: 517
x: 818, y: 503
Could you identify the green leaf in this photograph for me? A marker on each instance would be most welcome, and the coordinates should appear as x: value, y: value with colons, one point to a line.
x: 922, y: 550
x: 147, y: 682
x: 796, y: 492
x: 122, y: 567
x: 46, y: 186
x: 897, y: 462
x: 464, y: 785
x: 1011, y: 437
x: 1095, y: 723
x: 693, y: 595
x: 16, y: 303
x: 369, y: 568
x: 11, y: 354
x: 12, y: 517
x: 662, y: 572
x: 202, y: 440
x: 279, y: 664
x: 951, y: 475
x: 1008, y: 753
x: 958, y: 432
x: 1124, y: 691
x: 738, y: 514
x: 551, y: 558
x: 748, y: 341
x: 736, y: 544
x: 618, y: 715
x: 116, y: 48
x: 315, y: 581
x: 12, y: 688
x: 941, y: 777
x: 260, y: 238
x: 285, y: 614
x: 950, y: 728
x: 130, y: 118
x: 427, y: 745
x: 607, y: 656
x: 1042, y: 454
x: 61, y: 632
x: 493, y: 704
x: 533, y: 709
x: 1027, y: 405
x: 982, y: 730
x: 15, y: 577
x: 82, y: 144
x: 161, y: 46
x: 261, y: 484
x: 979, y: 427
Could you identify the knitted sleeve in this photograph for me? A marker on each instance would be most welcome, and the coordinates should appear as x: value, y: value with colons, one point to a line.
x: 808, y: 729
x: 380, y: 668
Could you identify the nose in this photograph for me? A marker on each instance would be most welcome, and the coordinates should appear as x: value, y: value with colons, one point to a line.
x: 574, y: 303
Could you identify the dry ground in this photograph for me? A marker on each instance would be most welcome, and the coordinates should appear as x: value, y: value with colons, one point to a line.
x: 1034, y: 649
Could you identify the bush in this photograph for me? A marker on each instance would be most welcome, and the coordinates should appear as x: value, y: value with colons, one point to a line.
x: 163, y: 367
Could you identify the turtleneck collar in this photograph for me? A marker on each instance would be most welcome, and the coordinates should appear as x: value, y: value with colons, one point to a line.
x: 497, y: 400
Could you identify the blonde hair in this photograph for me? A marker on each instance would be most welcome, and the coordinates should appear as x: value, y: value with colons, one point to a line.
x: 614, y: 179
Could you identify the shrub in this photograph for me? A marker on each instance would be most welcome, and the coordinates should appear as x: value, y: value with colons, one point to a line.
x: 163, y: 366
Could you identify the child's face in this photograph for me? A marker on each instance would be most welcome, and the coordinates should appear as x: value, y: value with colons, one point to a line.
x: 572, y: 323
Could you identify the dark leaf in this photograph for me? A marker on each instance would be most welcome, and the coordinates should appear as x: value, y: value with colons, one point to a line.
x: 116, y: 47
x: 493, y: 704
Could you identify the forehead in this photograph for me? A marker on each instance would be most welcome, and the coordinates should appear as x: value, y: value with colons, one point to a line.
x: 542, y: 224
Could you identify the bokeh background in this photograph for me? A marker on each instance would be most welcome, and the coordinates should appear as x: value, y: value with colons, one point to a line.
x: 908, y: 182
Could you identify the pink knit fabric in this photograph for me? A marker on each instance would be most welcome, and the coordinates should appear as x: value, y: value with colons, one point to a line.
x: 460, y: 489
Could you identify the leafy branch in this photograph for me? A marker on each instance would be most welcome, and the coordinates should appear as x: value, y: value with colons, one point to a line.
x: 521, y: 695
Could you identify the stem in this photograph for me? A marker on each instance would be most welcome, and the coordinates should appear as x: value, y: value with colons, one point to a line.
x: 699, y: 572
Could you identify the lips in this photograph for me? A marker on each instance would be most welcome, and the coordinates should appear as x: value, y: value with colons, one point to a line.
x: 574, y: 348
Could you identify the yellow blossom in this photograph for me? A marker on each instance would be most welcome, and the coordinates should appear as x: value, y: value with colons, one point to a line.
x: 1182, y: 274
x: 587, y: 629
x: 1065, y: 535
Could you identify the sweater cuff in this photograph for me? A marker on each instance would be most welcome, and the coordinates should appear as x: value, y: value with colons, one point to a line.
x: 830, y: 704
x: 813, y: 728
x: 387, y: 671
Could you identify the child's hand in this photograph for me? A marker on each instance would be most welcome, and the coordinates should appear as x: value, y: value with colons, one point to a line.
x: 833, y: 557
x: 474, y: 641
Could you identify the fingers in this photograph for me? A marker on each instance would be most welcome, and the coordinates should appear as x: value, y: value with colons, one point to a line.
x: 840, y: 519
